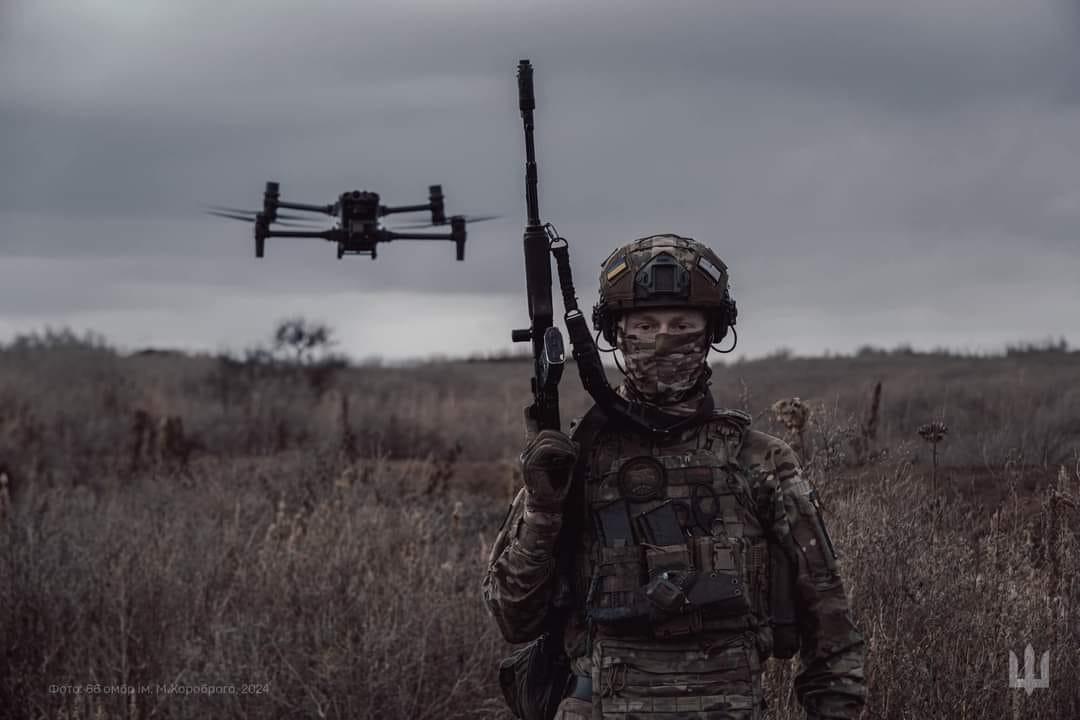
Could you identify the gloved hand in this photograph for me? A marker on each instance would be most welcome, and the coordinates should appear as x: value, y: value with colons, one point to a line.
x: 547, y: 464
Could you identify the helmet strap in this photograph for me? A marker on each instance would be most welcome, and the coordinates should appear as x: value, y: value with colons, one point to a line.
x: 615, y: 355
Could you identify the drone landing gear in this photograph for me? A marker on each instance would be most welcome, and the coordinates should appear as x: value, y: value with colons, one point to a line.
x: 457, y: 234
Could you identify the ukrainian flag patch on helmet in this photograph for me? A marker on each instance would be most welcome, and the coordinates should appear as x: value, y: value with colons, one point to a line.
x: 617, y: 268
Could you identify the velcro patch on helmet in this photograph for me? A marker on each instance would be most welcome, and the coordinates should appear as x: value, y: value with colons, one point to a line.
x: 617, y: 268
x: 709, y: 269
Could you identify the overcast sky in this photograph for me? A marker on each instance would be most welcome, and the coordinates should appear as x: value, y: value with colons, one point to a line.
x: 872, y: 172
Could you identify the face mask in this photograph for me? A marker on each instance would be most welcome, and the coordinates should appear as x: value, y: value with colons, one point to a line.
x: 666, y: 366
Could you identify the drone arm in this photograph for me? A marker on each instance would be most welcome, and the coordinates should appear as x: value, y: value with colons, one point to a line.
x: 326, y: 209
x: 324, y: 234
x: 391, y: 235
x: 385, y: 210
x: 456, y: 236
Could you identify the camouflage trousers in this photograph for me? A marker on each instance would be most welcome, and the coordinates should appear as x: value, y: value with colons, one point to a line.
x: 649, y: 680
x: 574, y: 709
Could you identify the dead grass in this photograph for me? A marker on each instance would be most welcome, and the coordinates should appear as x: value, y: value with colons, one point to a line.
x: 346, y: 581
x: 343, y: 604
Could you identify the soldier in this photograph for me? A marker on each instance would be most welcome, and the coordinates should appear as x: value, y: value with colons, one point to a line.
x: 668, y: 570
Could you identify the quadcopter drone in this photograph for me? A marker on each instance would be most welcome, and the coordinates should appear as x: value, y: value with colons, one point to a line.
x: 359, y: 229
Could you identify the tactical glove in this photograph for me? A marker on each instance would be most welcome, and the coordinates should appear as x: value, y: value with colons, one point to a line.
x: 547, y: 464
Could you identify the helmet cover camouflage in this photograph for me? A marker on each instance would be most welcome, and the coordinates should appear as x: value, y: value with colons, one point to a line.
x: 664, y: 271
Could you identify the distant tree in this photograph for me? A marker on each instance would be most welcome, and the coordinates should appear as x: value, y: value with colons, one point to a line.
x: 1049, y: 345
x: 304, y: 346
x: 302, y: 339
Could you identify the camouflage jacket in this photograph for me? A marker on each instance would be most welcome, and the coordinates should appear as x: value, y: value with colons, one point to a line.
x: 522, y: 579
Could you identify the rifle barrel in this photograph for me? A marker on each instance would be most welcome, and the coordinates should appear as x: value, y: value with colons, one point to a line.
x: 527, y: 103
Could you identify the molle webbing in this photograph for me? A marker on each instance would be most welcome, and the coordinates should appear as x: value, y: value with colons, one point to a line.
x: 677, y: 543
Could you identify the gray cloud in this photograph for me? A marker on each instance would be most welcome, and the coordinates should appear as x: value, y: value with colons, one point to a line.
x: 835, y: 141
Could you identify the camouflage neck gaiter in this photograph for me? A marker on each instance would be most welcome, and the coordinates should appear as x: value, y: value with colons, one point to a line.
x: 666, y: 368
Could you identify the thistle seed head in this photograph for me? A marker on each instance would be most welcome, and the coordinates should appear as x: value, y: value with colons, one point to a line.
x: 792, y: 413
x: 933, y: 432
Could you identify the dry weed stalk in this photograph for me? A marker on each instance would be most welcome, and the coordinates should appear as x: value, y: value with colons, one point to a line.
x: 744, y: 396
x: 831, y: 432
x: 438, y: 483
x: 455, y: 516
x: 143, y: 438
x: 5, y: 498
x: 862, y: 445
x: 933, y: 433
x: 274, y: 528
x: 160, y: 441
x: 346, y: 434
x: 1060, y: 504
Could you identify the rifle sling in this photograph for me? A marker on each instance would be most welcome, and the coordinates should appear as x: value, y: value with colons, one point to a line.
x: 574, y: 515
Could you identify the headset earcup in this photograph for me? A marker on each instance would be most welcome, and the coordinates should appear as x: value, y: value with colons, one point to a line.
x: 723, y: 319
x: 601, y: 320
x: 609, y: 331
x: 719, y: 328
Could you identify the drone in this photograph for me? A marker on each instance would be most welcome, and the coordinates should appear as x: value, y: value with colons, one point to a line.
x: 359, y: 229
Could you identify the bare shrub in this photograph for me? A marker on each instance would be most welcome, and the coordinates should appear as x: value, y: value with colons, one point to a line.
x: 831, y: 430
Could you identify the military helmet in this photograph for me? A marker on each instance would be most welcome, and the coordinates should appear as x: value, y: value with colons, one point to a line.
x: 664, y: 271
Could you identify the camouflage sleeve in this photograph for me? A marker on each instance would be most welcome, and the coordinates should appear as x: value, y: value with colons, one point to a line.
x: 519, y: 581
x: 830, y: 683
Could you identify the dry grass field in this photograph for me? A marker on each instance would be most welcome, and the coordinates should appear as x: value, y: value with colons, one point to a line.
x: 197, y: 537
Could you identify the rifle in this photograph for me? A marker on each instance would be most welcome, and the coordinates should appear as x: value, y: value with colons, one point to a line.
x: 549, y: 354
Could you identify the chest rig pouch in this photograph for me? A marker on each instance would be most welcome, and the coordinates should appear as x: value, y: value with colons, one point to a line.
x: 675, y: 536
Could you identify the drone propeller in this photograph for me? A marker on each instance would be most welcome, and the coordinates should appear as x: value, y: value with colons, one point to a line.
x: 252, y: 218
x: 218, y: 213
x: 466, y: 218
x: 284, y: 216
